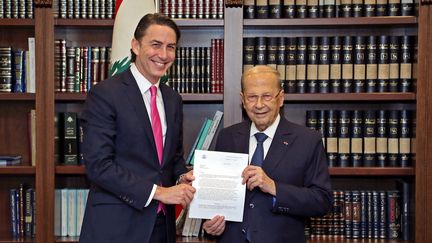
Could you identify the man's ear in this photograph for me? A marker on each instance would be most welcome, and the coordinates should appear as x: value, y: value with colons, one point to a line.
x: 135, y: 46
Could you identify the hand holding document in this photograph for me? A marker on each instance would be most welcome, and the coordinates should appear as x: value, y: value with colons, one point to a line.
x: 219, y: 190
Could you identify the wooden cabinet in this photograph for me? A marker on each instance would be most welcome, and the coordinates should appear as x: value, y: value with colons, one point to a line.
x: 46, y: 176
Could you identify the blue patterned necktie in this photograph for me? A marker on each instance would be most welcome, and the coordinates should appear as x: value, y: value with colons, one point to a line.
x: 258, y: 156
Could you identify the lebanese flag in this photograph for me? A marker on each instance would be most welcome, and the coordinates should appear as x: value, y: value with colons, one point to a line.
x: 128, y: 14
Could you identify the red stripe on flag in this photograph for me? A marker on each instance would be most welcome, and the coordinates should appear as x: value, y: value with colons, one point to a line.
x: 117, y: 6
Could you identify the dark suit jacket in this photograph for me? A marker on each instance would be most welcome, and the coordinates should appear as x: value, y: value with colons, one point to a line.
x: 296, y: 161
x: 122, y: 164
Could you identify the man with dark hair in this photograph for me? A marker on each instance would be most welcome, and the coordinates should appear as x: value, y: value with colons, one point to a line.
x: 133, y: 145
x: 287, y: 179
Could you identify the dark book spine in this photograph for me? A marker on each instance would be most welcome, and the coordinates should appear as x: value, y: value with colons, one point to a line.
x: 407, y: 8
x: 375, y: 214
x: 382, y: 213
x: 289, y: 9
x: 359, y: 64
x: 248, y: 53
x: 95, y: 59
x: 394, y: 7
x: 357, y: 138
x: 261, y: 51
x: 332, y: 137
x: 21, y: 206
x: 182, y: 67
x: 348, y: 214
x: 262, y: 9
x: 405, y: 138
x: 381, y: 8
x: 338, y: 213
x: 357, y: 8
x: 57, y: 140
x: 369, y: 138
x: 275, y: 9
x: 371, y: 65
x: 301, y: 64
x: 370, y: 217
x: 193, y: 68
x: 344, y: 138
x: 187, y: 70
x: 406, y: 64
x: 19, y: 71
x: 6, y: 69
x: 335, y: 64
x: 281, y: 59
x: 13, y: 196
x: 312, y: 119
x: 312, y: 9
x: 78, y: 71
x: 329, y: 9
x: 394, y: 61
x: 208, y: 73
x: 338, y: 8
x: 405, y: 204
x: 301, y: 9
x: 290, y: 86
x: 383, y: 64
x: 382, y: 138
x: 312, y: 65
x: 70, y: 71
x: 346, y: 8
x: 393, y: 138
x: 393, y: 215
x: 28, y: 220
x: 80, y: 138
x: 369, y: 8
x: 413, y: 136
x: 272, y: 50
x: 363, y: 214
x: 324, y: 65
x: 321, y: 126
x: 103, y: 67
x: 356, y: 214
x: 347, y: 64
x: 249, y: 9
x: 198, y: 69
x: 70, y: 139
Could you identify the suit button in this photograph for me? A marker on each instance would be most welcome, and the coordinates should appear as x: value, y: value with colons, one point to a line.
x: 251, y: 205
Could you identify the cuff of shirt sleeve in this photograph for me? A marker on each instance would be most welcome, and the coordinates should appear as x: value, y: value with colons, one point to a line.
x: 151, y: 195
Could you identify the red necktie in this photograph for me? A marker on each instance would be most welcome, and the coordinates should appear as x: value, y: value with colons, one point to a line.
x: 157, y: 132
x: 156, y: 123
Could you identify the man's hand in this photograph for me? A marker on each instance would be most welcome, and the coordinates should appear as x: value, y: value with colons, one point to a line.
x: 186, y: 178
x: 215, y: 226
x: 254, y: 176
x: 179, y: 194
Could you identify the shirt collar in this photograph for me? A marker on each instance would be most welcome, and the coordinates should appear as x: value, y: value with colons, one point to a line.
x: 142, y: 82
x: 270, y: 131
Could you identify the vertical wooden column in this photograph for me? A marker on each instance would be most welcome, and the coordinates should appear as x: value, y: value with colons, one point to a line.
x: 233, y: 62
x: 423, y: 166
x: 44, y: 37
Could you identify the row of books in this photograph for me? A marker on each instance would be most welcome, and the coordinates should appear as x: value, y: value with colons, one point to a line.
x: 17, y: 69
x: 68, y: 136
x: 360, y: 214
x: 6, y: 160
x: 198, y: 69
x: 77, y: 69
x: 22, y: 201
x: 263, y: 9
x: 195, y: 9
x: 69, y: 208
x: 383, y: 138
x: 16, y: 9
x: 336, y: 64
x: 83, y: 9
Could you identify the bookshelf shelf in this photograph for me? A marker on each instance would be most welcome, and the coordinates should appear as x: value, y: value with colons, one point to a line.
x: 12, y: 240
x: 396, y: 20
x: 343, y: 97
x: 199, y: 22
x: 20, y: 170
x: 355, y: 240
x: 372, y: 171
x: 70, y: 169
x: 85, y: 22
x: 17, y: 96
x: 186, y: 97
x: 17, y: 22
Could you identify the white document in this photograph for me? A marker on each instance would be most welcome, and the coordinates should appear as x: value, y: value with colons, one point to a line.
x: 219, y: 190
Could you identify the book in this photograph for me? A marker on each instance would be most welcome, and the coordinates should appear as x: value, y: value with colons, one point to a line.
x: 6, y: 69
x: 369, y: 138
x: 332, y: 137
x: 335, y: 64
x: 200, y: 133
x: 70, y: 138
x: 344, y: 140
x: 202, y: 137
x: 324, y: 65
x: 212, y: 130
x: 10, y: 160
x: 357, y: 138
x: 312, y: 65
x: 31, y: 66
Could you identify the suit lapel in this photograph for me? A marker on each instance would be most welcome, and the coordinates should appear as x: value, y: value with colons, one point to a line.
x: 136, y: 101
x: 169, y: 106
x: 281, y: 142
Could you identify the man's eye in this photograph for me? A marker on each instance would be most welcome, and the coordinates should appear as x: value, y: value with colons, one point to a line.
x: 267, y: 97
